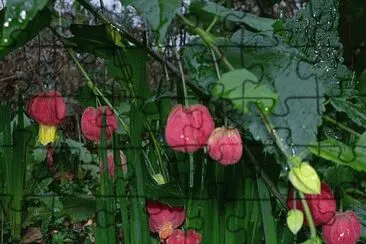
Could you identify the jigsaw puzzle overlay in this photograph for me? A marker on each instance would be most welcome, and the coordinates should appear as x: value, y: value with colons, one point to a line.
x: 182, y: 121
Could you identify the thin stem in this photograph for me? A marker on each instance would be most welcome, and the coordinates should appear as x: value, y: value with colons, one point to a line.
x: 182, y: 78
x: 265, y: 178
x: 214, y: 21
x: 342, y: 126
x: 308, y: 215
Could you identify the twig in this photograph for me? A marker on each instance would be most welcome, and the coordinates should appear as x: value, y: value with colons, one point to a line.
x: 266, y: 179
x: 342, y: 126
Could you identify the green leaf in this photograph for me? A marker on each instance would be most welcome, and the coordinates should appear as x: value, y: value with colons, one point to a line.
x: 297, y: 115
x: 22, y: 22
x: 355, y: 111
x: 158, y: 13
x: 77, y: 208
x: 337, y: 152
x: 257, y: 23
x: 168, y: 193
x: 40, y: 153
x: 242, y: 87
x: 78, y: 148
x: 269, y: 227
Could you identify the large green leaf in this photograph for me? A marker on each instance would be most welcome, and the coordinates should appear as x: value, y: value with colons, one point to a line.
x: 297, y: 114
x: 355, y: 111
x: 158, y: 13
x: 242, y: 87
x: 258, y: 23
x: 22, y: 21
x: 337, y: 152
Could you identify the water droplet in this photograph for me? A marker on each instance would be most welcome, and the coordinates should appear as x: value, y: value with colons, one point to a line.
x: 5, y: 40
x: 23, y: 14
x: 6, y: 24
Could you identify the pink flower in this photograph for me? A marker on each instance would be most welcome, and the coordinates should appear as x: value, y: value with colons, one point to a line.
x: 111, y: 165
x: 188, y: 128
x: 225, y: 145
x: 164, y: 219
x: 322, y: 206
x: 179, y: 237
x: 344, y: 228
x: 49, y: 110
x: 91, y: 123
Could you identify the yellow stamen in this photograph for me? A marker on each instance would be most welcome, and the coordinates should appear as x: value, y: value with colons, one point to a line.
x: 47, y: 134
x: 166, y: 231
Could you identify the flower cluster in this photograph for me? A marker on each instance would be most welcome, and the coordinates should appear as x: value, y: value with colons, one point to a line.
x: 337, y: 227
x: 165, y: 221
x: 191, y: 128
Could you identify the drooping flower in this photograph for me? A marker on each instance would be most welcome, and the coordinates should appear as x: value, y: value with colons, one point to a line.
x: 91, y: 123
x: 188, y: 128
x: 49, y: 110
x: 179, y: 237
x: 322, y: 206
x: 164, y: 219
x: 111, y: 165
x: 344, y: 228
x: 225, y: 145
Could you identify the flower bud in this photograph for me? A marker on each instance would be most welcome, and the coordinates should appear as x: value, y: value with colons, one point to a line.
x: 322, y: 206
x: 343, y: 228
x: 295, y: 219
x: 179, y: 237
x: 305, y: 179
x: 225, y: 145
x: 188, y: 128
x: 91, y: 123
x: 111, y: 165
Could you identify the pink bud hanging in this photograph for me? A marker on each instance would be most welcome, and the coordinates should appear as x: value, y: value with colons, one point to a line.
x: 164, y: 219
x: 188, y: 128
x: 344, y: 228
x: 322, y: 206
x: 49, y: 110
x: 225, y: 145
x: 91, y: 123
x: 179, y: 237
x: 111, y: 164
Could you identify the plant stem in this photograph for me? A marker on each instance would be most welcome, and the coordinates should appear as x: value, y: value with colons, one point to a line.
x: 182, y: 78
x: 308, y: 215
x: 340, y: 125
x: 212, y: 24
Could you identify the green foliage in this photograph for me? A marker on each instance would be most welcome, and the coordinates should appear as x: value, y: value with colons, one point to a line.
x: 355, y: 111
x: 22, y: 22
x: 340, y: 153
x: 158, y: 13
x: 241, y: 87
x: 210, y: 10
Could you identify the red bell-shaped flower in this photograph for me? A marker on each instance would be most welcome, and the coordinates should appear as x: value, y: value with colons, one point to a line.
x: 179, y: 237
x: 322, y: 206
x: 344, y: 228
x: 225, y: 145
x: 164, y: 219
x: 188, y: 128
x: 49, y: 110
x: 91, y: 123
x: 111, y: 165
